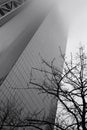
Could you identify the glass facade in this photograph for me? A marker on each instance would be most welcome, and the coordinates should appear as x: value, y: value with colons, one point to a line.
x: 45, y: 42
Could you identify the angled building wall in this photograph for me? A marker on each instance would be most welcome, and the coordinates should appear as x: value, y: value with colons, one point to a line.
x: 17, y: 32
x: 45, y: 42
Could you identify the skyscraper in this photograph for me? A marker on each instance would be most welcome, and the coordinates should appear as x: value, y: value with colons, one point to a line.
x: 38, y: 30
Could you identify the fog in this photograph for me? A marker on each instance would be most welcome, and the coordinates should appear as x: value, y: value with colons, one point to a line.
x: 16, y: 33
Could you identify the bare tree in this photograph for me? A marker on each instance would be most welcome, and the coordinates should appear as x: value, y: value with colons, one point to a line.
x: 10, y: 115
x: 13, y: 117
x: 69, y: 87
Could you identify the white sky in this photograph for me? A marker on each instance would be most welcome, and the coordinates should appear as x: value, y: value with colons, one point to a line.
x: 74, y: 13
x: 78, y: 27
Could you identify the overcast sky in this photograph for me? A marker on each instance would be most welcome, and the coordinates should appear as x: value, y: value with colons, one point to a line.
x: 77, y: 13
